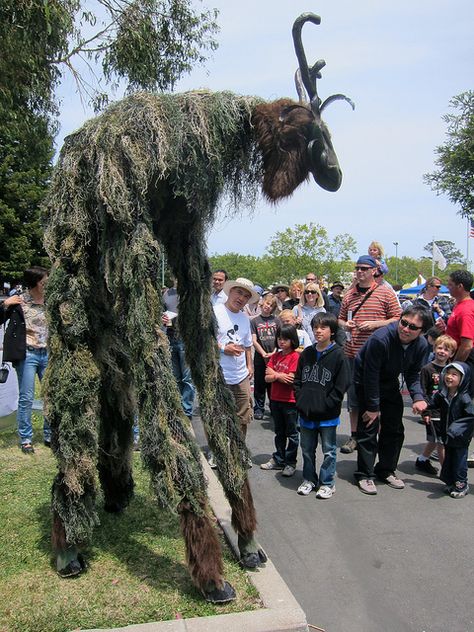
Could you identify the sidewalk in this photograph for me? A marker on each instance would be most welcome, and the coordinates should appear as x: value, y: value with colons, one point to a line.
x: 280, y: 613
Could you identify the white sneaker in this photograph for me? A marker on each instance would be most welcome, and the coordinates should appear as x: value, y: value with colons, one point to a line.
x: 211, y: 461
x: 306, y: 488
x: 325, y: 491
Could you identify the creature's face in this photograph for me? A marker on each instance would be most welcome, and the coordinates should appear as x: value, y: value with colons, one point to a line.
x: 294, y: 143
x: 322, y: 158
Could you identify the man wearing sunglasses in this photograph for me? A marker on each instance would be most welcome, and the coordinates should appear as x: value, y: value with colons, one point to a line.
x: 397, y: 348
x: 366, y: 306
x: 429, y: 299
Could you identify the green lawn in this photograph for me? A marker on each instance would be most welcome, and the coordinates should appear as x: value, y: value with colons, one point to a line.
x: 136, y: 569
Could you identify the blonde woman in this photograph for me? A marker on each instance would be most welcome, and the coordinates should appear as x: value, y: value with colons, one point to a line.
x: 311, y: 303
x: 296, y: 292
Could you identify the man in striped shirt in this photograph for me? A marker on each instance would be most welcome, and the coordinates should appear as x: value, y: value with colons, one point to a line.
x: 366, y: 306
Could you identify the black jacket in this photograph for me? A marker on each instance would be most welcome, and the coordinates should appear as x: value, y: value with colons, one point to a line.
x: 456, y: 422
x: 14, y: 342
x: 379, y: 363
x: 320, y: 384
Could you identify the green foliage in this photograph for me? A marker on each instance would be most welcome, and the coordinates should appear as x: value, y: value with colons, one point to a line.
x: 137, y: 562
x: 307, y: 247
x: 156, y: 42
x: 448, y: 250
x: 455, y: 159
x: 25, y: 155
x: 147, y: 43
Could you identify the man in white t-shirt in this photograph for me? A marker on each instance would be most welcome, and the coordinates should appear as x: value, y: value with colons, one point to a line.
x: 235, y: 344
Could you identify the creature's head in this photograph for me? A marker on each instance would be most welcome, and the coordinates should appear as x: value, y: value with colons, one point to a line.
x: 293, y: 138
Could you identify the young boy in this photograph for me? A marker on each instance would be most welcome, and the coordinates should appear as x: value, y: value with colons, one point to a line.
x: 455, y: 426
x: 444, y: 348
x: 321, y: 379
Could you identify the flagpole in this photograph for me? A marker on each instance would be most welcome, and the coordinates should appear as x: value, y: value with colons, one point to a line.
x: 468, y: 232
x: 432, y: 256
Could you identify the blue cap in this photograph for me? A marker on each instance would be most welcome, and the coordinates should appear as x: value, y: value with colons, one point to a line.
x: 366, y: 260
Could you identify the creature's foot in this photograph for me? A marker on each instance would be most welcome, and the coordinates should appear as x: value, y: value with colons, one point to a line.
x: 70, y: 563
x: 114, y: 507
x: 219, y: 595
x: 251, y: 554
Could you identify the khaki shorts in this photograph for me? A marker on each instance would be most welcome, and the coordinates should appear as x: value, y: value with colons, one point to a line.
x: 243, y: 400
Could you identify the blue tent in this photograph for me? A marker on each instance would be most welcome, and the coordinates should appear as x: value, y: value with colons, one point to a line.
x: 414, y: 291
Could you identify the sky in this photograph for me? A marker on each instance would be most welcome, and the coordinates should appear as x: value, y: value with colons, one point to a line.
x: 400, y: 62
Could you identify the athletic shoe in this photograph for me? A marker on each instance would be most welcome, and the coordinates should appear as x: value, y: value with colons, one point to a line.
x: 367, y: 486
x: 211, y: 461
x: 271, y: 465
x: 288, y: 470
x: 459, y: 490
x: 305, y: 488
x: 426, y: 466
x: 394, y: 482
x: 349, y: 446
x: 326, y: 491
x: 258, y: 416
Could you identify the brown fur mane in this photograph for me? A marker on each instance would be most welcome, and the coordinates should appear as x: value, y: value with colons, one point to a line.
x: 283, y: 145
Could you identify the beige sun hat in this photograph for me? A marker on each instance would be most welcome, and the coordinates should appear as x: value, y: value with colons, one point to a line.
x: 245, y: 284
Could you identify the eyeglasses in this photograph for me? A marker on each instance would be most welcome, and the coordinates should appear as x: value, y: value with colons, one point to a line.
x: 410, y: 326
x: 311, y: 292
x: 310, y: 279
x: 363, y: 268
x: 437, y: 286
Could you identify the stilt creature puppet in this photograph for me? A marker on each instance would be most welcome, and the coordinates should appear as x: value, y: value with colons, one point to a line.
x: 144, y: 176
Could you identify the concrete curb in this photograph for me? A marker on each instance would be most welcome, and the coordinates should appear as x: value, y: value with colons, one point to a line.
x: 280, y: 613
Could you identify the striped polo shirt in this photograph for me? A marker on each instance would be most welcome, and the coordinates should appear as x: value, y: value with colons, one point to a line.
x: 382, y: 304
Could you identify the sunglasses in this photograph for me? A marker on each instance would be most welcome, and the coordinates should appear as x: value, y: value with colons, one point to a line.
x: 437, y: 286
x: 410, y: 326
x: 311, y: 292
x: 363, y: 268
x: 310, y: 280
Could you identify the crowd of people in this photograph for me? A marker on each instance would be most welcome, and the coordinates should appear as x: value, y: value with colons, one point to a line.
x: 313, y: 347
x: 305, y: 349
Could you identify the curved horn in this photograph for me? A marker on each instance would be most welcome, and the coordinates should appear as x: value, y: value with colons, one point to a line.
x: 308, y: 77
x: 336, y: 97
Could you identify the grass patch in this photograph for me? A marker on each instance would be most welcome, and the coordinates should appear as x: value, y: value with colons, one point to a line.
x: 137, y: 571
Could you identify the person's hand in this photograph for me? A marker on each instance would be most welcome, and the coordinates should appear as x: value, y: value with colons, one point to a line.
x: 233, y: 349
x: 367, y: 325
x: 165, y: 320
x: 285, y: 378
x: 426, y: 418
x: 250, y: 370
x: 440, y: 325
x: 350, y: 325
x: 12, y: 300
x: 370, y: 416
x: 419, y: 407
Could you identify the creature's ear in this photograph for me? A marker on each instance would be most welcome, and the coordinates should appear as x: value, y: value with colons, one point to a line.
x: 282, y: 133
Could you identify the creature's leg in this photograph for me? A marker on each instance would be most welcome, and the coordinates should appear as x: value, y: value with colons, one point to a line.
x: 71, y: 398
x: 186, y: 255
x: 168, y: 448
x: 116, y: 435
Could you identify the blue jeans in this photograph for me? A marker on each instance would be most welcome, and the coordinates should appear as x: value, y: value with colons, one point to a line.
x: 34, y: 363
x: 285, y: 422
x: 182, y: 375
x: 309, y: 443
x: 454, y: 468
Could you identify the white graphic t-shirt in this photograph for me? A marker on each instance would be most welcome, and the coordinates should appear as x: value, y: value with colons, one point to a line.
x: 233, y: 327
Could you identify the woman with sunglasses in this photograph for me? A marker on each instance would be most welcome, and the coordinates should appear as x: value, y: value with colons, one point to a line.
x: 311, y: 303
x: 429, y: 299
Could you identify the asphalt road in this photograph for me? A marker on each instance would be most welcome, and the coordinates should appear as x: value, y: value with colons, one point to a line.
x: 401, y: 561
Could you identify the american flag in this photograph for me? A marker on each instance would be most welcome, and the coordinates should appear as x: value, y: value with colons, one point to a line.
x: 471, y: 228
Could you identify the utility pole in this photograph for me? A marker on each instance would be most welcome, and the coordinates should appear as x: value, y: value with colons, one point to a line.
x: 395, y: 243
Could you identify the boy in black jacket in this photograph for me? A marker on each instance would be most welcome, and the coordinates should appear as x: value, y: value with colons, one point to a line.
x: 321, y: 379
x: 455, y: 426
